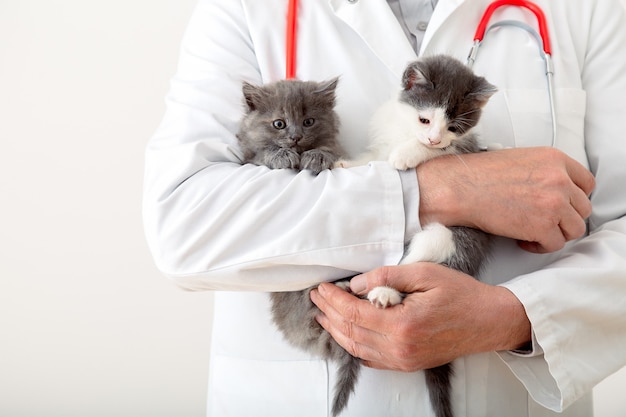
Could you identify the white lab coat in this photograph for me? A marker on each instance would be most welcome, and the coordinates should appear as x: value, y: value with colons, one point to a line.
x: 213, y: 224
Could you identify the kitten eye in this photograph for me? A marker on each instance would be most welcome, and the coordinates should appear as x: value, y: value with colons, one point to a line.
x: 279, y: 124
x: 452, y: 129
x: 424, y: 120
x: 308, y: 122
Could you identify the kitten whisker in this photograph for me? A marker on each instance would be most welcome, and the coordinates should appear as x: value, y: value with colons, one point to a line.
x: 469, y: 112
x: 460, y: 158
x: 464, y: 121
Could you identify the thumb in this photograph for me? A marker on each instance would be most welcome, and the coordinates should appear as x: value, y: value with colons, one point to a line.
x: 404, y: 278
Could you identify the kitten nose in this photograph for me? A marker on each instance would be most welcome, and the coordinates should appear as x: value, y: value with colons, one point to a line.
x: 295, y: 138
x: 434, y: 141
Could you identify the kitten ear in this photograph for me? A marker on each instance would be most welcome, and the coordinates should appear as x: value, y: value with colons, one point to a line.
x: 327, y: 86
x: 326, y: 90
x: 414, y: 76
x: 482, y: 91
x: 253, y: 95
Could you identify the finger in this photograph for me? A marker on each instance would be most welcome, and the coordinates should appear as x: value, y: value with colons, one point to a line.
x: 580, y: 176
x: 552, y: 241
x: 349, y: 341
x: 376, y: 365
x: 405, y: 278
x: 581, y: 203
x: 569, y: 224
x: 356, y: 340
x: 575, y: 225
x: 572, y: 225
x: 339, y: 305
x: 535, y: 247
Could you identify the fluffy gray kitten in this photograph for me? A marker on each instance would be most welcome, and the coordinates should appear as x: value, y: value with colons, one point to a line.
x: 440, y: 102
x: 290, y: 124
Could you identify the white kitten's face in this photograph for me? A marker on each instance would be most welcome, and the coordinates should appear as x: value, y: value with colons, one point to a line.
x: 433, y: 128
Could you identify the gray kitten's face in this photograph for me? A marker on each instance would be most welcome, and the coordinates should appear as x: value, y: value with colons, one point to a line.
x: 291, y: 114
x: 448, y: 98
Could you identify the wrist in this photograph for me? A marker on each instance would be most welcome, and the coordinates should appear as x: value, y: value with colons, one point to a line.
x: 510, y: 325
x: 440, y: 194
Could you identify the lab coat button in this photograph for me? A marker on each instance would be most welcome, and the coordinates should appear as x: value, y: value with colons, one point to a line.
x: 421, y: 26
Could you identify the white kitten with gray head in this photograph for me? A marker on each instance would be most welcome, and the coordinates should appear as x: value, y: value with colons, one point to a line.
x: 440, y: 102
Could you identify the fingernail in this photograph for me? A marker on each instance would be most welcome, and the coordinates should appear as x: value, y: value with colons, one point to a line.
x: 313, y: 295
x: 358, y: 284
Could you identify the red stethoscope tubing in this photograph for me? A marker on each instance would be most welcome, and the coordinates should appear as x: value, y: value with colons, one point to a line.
x: 541, y: 20
x: 292, y: 41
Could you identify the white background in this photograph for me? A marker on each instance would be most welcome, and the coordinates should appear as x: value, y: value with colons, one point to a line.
x: 88, y: 327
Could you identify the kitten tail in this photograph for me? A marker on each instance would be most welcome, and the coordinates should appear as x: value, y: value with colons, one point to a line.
x: 348, y: 373
x: 438, y: 383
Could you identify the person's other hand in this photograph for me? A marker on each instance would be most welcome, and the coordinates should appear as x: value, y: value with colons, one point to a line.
x: 538, y: 196
x: 445, y: 315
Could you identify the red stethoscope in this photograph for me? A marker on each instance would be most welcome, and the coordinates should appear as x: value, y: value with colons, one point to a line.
x: 542, y: 38
x: 292, y: 39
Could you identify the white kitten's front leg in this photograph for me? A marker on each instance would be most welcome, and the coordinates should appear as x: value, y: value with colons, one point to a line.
x: 363, y: 159
x: 407, y: 155
x: 435, y: 243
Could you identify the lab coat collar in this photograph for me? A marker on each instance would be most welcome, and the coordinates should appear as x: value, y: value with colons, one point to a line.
x: 360, y: 15
x: 376, y: 24
x: 443, y: 10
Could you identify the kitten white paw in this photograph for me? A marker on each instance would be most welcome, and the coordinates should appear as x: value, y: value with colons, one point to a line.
x: 435, y: 243
x: 402, y: 162
x: 383, y: 297
x: 347, y: 163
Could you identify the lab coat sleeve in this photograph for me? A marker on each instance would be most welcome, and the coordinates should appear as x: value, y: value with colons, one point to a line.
x: 577, y: 305
x: 215, y: 224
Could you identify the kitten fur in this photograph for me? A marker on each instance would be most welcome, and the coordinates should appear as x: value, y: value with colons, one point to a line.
x: 440, y: 102
x: 290, y: 124
x: 294, y: 314
x: 313, y: 146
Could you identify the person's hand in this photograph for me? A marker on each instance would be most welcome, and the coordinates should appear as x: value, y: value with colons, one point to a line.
x: 538, y: 196
x: 445, y: 315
